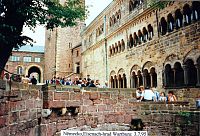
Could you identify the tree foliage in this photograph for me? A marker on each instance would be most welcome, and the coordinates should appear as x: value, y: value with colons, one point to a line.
x: 157, y: 3
x: 14, y: 14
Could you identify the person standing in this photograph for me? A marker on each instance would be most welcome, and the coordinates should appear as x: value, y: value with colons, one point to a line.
x: 33, y: 80
x: 92, y: 84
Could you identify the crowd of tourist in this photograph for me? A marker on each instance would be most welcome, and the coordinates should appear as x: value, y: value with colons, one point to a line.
x: 152, y: 94
x: 142, y: 94
x: 77, y: 81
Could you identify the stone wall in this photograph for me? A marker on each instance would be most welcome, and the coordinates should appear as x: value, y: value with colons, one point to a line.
x: 11, y: 66
x: 41, y: 111
x: 58, y: 50
x: 96, y: 106
x: 20, y: 111
x: 175, y: 46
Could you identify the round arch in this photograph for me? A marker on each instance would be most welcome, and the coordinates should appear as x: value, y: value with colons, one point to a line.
x: 135, y: 68
x: 121, y: 71
x: 35, y: 69
x: 171, y: 60
x: 16, y: 68
x: 192, y: 54
x: 112, y: 73
x: 148, y: 65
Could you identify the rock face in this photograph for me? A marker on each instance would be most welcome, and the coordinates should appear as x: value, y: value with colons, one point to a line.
x: 141, y: 45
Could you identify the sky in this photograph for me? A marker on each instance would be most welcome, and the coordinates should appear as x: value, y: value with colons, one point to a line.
x: 95, y: 7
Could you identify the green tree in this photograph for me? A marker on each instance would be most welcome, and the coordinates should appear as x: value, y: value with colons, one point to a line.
x: 14, y: 14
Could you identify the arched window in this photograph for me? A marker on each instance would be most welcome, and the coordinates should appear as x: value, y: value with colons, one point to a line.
x: 150, y: 30
x: 114, y: 19
x: 178, y: 18
x: 123, y: 45
x: 130, y: 5
x: 179, y: 75
x: 153, y: 75
x: 147, y: 79
x: 130, y: 41
x: 191, y: 73
x: 196, y: 10
x: 135, y: 39
x: 110, y: 22
x: 113, y: 49
x: 119, y: 47
x: 140, y: 36
x: 134, y: 80
x: 135, y: 4
x: 119, y: 14
x: 19, y: 70
x: 124, y: 81
x: 140, y: 80
x: 112, y: 82
x: 170, y: 22
x: 110, y: 49
x: 187, y: 14
x: 120, y: 81
x: 116, y: 48
x: 116, y: 81
x: 163, y: 27
x: 145, y: 34
x: 169, y: 76
x: 102, y: 28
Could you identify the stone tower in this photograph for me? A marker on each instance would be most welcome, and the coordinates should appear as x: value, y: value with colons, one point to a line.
x: 58, y: 49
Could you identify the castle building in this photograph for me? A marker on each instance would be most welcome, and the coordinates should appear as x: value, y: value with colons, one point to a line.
x: 59, y: 44
x: 132, y: 44
x: 27, y: 61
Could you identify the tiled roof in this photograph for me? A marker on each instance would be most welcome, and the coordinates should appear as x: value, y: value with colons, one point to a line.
x: 33, y: 48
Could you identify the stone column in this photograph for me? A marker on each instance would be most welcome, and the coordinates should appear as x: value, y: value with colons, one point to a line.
x: 164, y: 78
x: 185, y: 69
x: 151, y: 77
x: 133, y: 82
x: 144, y: 80
x: 115, y: 83
x: 174, y: 71
x: 138, y: 81
x: 198, y: 74
x: 119, y: 83
x: 112, y: 82
x: 122, y: 82
x: 184, y: 21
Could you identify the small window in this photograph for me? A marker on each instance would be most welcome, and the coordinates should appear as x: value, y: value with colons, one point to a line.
x: 27, y: 59
x: 69, y: 65
x: 37, y: 59
x: 14, y: 58
x: 19, y: 70
x: 77, y: 53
